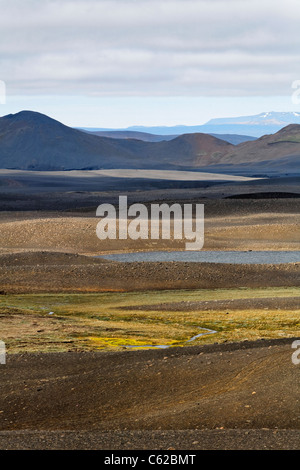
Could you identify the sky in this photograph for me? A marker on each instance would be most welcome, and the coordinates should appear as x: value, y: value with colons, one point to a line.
x: 119, y: 63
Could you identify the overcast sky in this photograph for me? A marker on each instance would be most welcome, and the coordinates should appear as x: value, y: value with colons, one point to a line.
x: 118, y: 63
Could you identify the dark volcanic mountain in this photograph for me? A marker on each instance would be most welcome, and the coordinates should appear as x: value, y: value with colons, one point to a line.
x: 280, y: 150
x: 33, y: 141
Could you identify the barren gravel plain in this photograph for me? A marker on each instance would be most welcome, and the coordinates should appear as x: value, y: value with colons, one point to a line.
x: 241, y: 394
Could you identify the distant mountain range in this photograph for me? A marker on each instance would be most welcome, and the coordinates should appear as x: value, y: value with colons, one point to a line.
x: 33, y: 141
x: 264, y: 119
x: 254, y: 126
x: 146, y: 137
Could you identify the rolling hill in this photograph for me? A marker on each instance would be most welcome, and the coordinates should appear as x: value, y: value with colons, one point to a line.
x: 33, y: 141
x: 144, y: 136
x: 281, y: 149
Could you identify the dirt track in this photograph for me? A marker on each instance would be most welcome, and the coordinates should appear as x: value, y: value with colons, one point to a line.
x: 238, y: 386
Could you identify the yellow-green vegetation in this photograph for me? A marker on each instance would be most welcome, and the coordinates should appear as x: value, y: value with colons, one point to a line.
x: 99, y: 322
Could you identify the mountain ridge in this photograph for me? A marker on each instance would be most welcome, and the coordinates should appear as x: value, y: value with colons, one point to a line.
x: 234, y: 139
x: 253, y: 126
x: 33, y: 141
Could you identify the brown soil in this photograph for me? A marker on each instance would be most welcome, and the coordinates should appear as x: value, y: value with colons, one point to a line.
x: 229, y: 225
x: 249, y: 385
x: 286, y: 303
x: 41, y: 251
x: 246, y: 391
x: 54, y: 272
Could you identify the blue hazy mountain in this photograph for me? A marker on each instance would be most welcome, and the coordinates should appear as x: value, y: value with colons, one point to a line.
x: 264, y: 119
x: 254, y: 126
x: 147, y: 137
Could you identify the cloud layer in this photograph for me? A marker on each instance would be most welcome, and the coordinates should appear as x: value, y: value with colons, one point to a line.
x: 149, y: 47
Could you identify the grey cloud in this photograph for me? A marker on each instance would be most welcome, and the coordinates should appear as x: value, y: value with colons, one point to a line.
x: 149, y: 47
